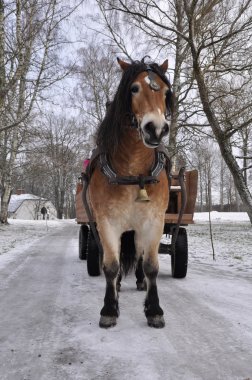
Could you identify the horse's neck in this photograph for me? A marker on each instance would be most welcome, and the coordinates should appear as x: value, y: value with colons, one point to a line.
x: 132, y: 156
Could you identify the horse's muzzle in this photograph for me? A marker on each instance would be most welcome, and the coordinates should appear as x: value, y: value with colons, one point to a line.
x: 152, y: 134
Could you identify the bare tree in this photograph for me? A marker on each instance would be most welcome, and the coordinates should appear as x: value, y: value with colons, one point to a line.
x: 147, y: 26
x: 220, y: 42
x: 52, y: 161
x: 97, y: 80
x: 29, y: 37
x: 216, y: 37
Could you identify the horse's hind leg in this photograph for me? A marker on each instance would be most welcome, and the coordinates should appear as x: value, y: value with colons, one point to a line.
x: 110, y: 310
x: 118, y: 281
x: 140, y: 282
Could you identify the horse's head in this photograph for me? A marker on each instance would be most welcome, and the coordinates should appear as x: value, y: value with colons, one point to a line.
x: 151, y: 101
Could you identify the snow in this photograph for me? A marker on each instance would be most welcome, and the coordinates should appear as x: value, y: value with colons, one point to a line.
x: 50, y: 309
x: 215, y: 216
x: 232, y: 239
x: 19, y: 235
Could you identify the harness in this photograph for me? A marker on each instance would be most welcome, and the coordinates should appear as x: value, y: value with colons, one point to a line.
x: 162, y: 162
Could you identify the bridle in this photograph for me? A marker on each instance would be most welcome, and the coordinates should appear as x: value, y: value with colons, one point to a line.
x: 134, y: 123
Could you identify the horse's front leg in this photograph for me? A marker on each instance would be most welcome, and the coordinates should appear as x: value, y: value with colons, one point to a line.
x: 152, y: 309
x: 111, y: 245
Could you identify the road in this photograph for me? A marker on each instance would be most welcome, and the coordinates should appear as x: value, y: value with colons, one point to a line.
x: 50, y: 311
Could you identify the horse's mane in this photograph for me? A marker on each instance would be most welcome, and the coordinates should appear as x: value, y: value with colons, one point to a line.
x: 119, y: 112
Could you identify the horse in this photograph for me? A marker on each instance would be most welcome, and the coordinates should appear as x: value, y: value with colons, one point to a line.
x: 124, y: 196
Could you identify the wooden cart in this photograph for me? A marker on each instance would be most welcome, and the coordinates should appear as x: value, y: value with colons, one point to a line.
x: 88, y: 249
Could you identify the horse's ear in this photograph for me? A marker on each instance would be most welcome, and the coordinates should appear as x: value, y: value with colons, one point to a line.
x: 124, y: 65
x: 164, y: 66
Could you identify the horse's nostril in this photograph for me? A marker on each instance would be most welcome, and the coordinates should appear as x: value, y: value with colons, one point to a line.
x: 149, y: 127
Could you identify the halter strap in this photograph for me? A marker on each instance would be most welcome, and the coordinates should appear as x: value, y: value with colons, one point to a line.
x: 151, y: 76
x: 154, y: 86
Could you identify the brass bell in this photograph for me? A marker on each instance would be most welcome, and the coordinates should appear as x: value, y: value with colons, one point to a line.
x: 142, y: 196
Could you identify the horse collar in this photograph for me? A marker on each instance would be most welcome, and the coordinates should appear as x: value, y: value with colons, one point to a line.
x: 161, y: 162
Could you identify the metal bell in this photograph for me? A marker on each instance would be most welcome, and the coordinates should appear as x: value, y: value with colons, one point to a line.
x: 142, y: 196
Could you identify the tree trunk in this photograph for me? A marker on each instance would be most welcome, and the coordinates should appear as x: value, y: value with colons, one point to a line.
x: 5, y: 199
x: 200, y: 187
x: 237, y: 200
x: 222, y: 140
x: 245, y: 142
x: 224, y: 145
x: 222, y: 185
x: 7, y: 179
x: 176, y: 85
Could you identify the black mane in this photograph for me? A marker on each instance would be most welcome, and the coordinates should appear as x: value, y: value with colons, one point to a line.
x: 119, y: 112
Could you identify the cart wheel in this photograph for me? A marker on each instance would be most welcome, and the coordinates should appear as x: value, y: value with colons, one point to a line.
x: 93, y: 257
x: 179, y: 261
x: 83, y: 238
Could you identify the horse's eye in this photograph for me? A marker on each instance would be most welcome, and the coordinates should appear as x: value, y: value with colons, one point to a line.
x: 168, y: 93
x: 134, y: 88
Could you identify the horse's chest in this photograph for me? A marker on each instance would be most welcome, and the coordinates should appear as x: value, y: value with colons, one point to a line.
x: 132, y: 212
x: 117, y: 203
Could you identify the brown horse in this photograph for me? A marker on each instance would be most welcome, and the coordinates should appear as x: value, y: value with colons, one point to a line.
x: 134, y: 125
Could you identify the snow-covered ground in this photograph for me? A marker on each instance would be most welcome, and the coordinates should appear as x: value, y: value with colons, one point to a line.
x: 232, y: 238
x: 20, y: 234
x: 50, y: 309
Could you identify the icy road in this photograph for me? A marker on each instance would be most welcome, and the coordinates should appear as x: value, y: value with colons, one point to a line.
x: 49, y: 313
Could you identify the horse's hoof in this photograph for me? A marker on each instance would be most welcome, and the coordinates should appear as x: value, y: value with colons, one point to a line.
x: 156, y: 321
x: 141, y: 285
x: 106, y: 321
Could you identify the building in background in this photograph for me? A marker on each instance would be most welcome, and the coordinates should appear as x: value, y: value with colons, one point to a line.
x: 29, y: 206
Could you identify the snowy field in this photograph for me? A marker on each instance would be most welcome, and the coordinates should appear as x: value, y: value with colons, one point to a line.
x: 232, y: 234
x: 232, y: 240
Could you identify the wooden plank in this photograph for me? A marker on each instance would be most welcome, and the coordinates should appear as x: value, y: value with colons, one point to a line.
x: 81, y: 216
x: 173, y: 218
x: 191, y: 189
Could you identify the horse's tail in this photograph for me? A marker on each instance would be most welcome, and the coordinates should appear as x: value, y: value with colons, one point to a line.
x: 128, y: 252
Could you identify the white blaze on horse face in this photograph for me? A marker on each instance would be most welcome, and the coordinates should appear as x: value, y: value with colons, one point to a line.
x: 147, y: 80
